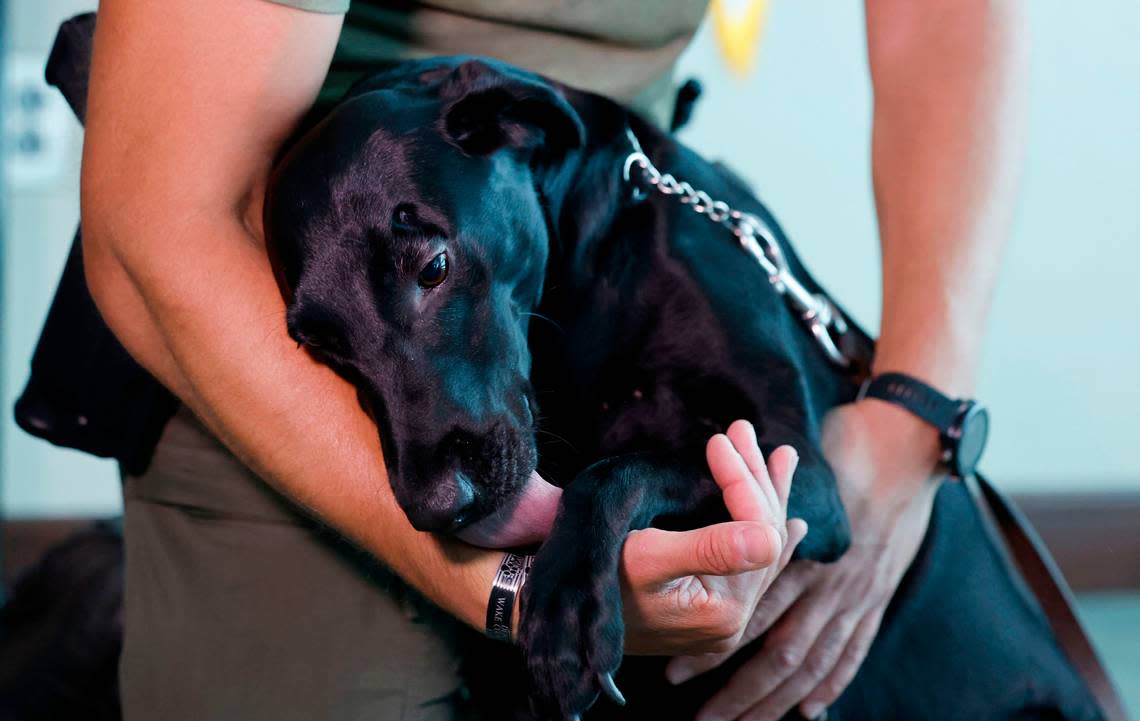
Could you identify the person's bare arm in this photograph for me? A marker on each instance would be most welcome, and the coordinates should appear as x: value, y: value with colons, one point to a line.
x: 188, y: 103
x: 950, y: 89
x: 949, y: 86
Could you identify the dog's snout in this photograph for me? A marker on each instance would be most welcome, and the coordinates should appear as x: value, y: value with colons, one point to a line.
x: 445, y: 506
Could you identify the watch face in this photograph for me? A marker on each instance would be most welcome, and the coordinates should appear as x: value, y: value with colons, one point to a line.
x: 975, y: 431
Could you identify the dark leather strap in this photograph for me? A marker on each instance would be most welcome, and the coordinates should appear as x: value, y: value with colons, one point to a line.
x: 1044, y: 579
x: 917, y: 397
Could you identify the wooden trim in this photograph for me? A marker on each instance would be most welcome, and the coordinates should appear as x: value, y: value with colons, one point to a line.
x: 1095, y: 537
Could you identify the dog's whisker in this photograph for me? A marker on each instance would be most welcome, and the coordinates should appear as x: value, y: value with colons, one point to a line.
x: 556, y: 437
x: 542, y: 317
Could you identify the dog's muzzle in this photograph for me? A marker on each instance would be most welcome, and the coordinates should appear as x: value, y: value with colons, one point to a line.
x: 523, y: 520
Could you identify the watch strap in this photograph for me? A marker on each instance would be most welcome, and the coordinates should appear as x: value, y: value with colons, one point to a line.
x: 917, y: 397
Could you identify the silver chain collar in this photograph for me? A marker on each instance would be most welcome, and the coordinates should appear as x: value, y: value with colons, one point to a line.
x: 822, y: 318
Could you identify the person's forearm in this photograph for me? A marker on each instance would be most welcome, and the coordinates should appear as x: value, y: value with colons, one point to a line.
x: 949, y: 89
x: 188, y: 104
x: 211, y: 326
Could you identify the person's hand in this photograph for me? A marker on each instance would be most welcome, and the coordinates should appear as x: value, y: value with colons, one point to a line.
x: 822, y: 618
x: 694, y: 591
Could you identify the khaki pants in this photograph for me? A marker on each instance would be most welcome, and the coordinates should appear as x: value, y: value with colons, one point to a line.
x: 239, y: 608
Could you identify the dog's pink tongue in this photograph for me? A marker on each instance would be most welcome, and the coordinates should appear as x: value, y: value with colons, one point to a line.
x: 526, y: 520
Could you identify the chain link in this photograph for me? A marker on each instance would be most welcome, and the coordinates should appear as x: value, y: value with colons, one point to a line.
x: 823, y: 319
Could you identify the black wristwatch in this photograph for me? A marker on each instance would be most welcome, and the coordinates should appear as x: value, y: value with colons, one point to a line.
x: 964, y: 425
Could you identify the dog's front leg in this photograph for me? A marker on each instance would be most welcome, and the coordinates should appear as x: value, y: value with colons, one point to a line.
x: 571, y: 626
x: 814, y: 495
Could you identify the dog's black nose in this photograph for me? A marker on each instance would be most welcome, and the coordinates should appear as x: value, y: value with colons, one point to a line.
x: 446, y: 506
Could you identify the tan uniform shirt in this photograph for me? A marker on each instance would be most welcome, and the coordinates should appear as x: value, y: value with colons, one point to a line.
x: 625, y: 49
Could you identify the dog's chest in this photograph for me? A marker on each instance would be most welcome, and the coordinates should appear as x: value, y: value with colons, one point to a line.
x: 645, y: 350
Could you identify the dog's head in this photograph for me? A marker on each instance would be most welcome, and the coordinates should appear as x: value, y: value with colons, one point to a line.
x: 410, y: 238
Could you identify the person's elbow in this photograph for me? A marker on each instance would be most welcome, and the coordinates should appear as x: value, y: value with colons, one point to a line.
x: 139, y: 224
x: 106, y: 209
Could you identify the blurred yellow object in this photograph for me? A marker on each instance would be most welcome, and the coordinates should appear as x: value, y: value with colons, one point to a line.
x: 738, y: 25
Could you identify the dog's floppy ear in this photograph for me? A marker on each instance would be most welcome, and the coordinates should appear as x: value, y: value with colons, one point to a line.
x: 489, y: 106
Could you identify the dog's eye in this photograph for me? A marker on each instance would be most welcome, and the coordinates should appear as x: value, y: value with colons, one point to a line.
x: 434, y: 272
x: 404, y: 217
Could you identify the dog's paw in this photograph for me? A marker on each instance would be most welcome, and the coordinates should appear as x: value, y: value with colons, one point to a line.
x: 571, y: 632
x: 815, y: 499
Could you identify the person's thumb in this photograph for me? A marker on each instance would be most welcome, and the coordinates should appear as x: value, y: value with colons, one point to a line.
x: 653, y: 556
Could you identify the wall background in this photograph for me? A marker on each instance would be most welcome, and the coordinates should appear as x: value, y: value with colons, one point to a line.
x: 1064, y: 345
x: 1064, y: 342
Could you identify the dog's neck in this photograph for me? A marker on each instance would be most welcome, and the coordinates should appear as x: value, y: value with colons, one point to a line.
x: 586, y: 193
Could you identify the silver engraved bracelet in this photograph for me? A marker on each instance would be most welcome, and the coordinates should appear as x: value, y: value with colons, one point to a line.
x: 508, y: 582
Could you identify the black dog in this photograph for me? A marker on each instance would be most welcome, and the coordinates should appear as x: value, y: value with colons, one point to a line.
x: 420, y: 225
x: 961, y: 640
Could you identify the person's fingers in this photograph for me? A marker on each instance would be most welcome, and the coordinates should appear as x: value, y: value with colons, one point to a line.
x: 797, y: 529
x: 743, y: 495
x: 816, y: 666
x: 782, y: 464
x: 654, y: 557
x: 850, y: 660
x: 743, y: 437
x: 682, y: 668
x: 786, y: 590
x: 781, y: 657
x: 775, y: 476
x: 779, y: 597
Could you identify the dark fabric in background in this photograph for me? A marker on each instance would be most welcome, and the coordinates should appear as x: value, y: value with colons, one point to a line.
x: 84, y: 390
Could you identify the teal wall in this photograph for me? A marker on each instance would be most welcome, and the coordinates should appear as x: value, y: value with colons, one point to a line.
x: 1064, y: 344
x: 37, y: 479
x: 1063, y: 350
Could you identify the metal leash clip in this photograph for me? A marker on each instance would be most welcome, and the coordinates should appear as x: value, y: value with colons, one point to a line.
x: 821, y: 316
